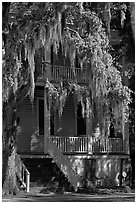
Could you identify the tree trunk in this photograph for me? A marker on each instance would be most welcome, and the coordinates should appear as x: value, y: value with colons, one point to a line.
x: 9, y: 173
x: 9, y: 180
x: 9, y: 183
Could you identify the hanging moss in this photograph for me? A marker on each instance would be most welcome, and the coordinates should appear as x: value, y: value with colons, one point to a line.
x: 85, y: 37
x: 32, y: 69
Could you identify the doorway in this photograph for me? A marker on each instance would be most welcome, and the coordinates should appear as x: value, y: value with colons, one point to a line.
x: 81, y: 121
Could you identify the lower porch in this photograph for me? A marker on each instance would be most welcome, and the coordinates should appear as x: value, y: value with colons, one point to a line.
x: 82, y: 145
x: 99, y: 161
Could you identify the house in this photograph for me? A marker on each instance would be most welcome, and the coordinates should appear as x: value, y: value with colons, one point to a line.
x: 43, y: 136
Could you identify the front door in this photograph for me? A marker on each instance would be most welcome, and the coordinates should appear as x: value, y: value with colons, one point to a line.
x: 81, y: 122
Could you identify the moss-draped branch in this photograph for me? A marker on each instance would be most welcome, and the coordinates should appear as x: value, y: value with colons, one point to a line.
x: 81, y: 34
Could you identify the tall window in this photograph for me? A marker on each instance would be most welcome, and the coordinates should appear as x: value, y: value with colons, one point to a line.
x: 41, y: 118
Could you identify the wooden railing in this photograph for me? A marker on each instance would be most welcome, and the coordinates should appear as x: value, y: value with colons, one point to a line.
x: 110, y: 145
x: 22, y: 173
x: 80, y: 144
x: 70, y: 144
x: 76, y: 74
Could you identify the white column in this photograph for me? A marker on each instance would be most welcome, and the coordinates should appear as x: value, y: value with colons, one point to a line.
x: 89, y: 126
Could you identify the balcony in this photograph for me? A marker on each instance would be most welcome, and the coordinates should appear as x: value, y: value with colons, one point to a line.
x: 80, y: 144
x: 57, y: 73
x: 63, y: 72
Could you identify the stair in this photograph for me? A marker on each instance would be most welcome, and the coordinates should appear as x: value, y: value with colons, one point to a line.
x: 64, y: 164
x: 45, y: 174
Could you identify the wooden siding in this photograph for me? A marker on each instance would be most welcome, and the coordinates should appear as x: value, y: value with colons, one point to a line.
x: 60, y: 59
x: 65, y: 125
x: 28, y: 139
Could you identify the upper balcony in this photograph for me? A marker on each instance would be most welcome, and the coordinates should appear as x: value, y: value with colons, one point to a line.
x: 63, y: 72
x: 57, y: 73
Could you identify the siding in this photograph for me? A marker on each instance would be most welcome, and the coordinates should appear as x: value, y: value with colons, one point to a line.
x: 66, y: 125
x: 28, y: 140
x: 60, y: 59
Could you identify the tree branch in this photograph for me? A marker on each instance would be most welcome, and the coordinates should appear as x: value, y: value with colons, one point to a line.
x: 74, y: 31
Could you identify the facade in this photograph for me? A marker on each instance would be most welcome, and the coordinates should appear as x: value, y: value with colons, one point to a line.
x: 68, y: 139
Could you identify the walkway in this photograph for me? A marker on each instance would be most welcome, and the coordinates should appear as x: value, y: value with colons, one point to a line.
x: 73, y: 197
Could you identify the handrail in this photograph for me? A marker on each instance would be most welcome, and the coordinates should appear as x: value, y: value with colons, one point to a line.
x: 22, y: 172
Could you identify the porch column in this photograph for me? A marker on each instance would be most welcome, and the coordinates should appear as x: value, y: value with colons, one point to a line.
x: 89, y: 126
x: 125, y: 131
x: 46, y: 99
x: 46, y: 119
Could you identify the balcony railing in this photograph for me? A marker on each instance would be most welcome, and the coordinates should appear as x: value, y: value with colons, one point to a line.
x: 70, y: 144
x: 81, y: 145
x: 111, y: 145
x: 59, y: 72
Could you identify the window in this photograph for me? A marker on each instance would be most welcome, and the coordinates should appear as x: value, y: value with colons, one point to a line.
x: 81, y: 122
x: 41, y: 118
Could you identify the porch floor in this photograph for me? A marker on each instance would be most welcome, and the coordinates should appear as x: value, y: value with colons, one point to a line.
x: 85, y: 155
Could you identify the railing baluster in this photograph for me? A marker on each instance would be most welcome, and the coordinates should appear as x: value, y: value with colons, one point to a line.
x: 64, y: 144
x: 75, y: 145
x: 81, y: 144
x: 58, y: 142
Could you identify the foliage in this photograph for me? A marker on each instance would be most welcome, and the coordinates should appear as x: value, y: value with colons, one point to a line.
x: 81, y: 34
